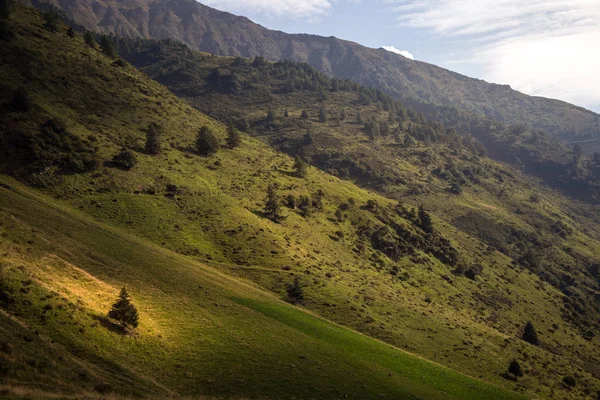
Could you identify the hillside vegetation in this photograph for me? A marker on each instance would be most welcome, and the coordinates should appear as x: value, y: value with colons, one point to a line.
x: 208, y: 264
x: 414, y: 82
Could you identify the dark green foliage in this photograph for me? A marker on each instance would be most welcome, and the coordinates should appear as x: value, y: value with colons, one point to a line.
x: 305, y: 206
x: 54, y: 146
x: 530, y: 334
x: 272, y: 204
x: 425, y: 221
x: 233, y: 137
x: 125, y: 159
x: 514, y: 368
x: 270, y: 116
x: 6, y: 32
x: 359, y: 118
x: 290, y: 201
x: 20, y: 100
x: 5, y: 8
x: 455, y: 188
x: 531, y: 260
x: 286, y: 114
x: 51, y: 20
x: 295, y: 292
x: 308, y: 139
x: 108, y: 47
x: 343, y: 115
x: 124, y: 311
x: 304, y: 114
x: 322, y: 115
x: 89, y: 39
x: 206, y: 142
x: 300, y: 167
x: 569, y: 381
x: 70, y: 32
x: 154, y: 139
x: 473, y: 271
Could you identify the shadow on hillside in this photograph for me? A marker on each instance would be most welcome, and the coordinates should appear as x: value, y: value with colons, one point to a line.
x: 111, y: 326
x: 508, y: 376
x: 291, y: 174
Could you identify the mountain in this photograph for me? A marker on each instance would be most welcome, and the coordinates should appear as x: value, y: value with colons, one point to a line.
x: 414, y: 82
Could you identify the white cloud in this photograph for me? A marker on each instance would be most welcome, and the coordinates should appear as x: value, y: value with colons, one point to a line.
x: 397, y: 51
x: 296, y: 9
x: 540, y: 47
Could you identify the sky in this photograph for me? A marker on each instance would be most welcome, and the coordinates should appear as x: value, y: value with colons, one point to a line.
x: 547, y: 48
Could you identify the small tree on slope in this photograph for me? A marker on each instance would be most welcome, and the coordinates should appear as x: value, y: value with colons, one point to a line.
x: 124, y: 311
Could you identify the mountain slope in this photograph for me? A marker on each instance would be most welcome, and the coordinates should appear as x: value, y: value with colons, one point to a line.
x: 363, y: 260
x: 210, y: 30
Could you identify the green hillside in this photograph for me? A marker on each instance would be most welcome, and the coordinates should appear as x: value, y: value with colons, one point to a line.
x: 189, y: 237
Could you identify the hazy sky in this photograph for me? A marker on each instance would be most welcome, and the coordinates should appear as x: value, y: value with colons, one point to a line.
x: 548, y: 48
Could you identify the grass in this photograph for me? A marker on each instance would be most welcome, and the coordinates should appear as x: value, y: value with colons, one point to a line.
x: 207, y: 270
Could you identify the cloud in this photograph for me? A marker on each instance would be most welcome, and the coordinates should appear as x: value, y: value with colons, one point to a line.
x: 397, y: 51
x: 540, y: 47
x: 312, y: 10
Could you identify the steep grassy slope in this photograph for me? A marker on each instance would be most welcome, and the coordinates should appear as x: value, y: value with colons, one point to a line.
x: 210, y: 30
x: 374, y: 269
x: 200, y: 332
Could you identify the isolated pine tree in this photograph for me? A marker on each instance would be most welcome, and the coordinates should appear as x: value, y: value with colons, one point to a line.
x: 304, y: 114
x: 124, y: 311
x: 272, y: 204
x: 233, y: 137
x: 300, y: 167
x: 206, y: 141
x: 70, y: 32
x: 425, y: 220
x: 530, y: 334
x: 323, y: 115
x: 343, y: 115
x: 515, y: 369
x: 154, y: 139
x: 295, y: 292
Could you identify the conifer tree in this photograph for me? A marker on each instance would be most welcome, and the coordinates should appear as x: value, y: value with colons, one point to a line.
x: 323, y: 115
x: 154, y: 139
x: 272, y: 206
x: 295, y: 292
x: 20, y: 100
x: 124, y: 311
x: 304, y: 114
x: 206, y: 142
x: 515, y: 369
x: 89, y: 39
x: 70, y: 32
x: 530, y: 334
x: 125, y: 159
x: 5, y: 8
x: 51, y: 21
x: 108, y: 47
x: 343, y: 115
x: 425, y: 220
x: 300, y: 167
x: 233, y: 137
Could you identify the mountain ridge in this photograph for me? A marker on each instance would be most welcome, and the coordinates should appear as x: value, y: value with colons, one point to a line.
x: 221, y: 33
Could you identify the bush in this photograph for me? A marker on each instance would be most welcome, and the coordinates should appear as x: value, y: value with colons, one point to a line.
x: 206, y: 142
x: 153, y: 139
x: 125, y: 159
x: 515, y: 369
x: 233, y: 137
x: 569, y: 381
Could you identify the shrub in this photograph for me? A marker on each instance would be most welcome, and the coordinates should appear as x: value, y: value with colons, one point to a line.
x: 125, y: 159
x: 233, y: 137
x: 70, y: 32
x: 206, y: 141
x: 569, y: 381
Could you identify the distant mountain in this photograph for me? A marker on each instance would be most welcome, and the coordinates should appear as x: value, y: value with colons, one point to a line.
x: 414, y: 82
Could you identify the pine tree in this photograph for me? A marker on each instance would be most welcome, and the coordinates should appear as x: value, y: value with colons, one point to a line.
x: 206, y: 142
x: 300, y: 167
x: 233, y: 137
x: 89, y: 39
x: 343, y: 115
x: 515, y: 369
x: 322, y: 115
x: 308, y: 138
x: 108, y: 47
x: 286, y: 113
x: 153, y: 139
x: 51, y: 21
x: 359, y: 119
x: 270, y: 115
x: 124, y: 311
x: 530, y: 334
x: 305, y: 206
x: 272, y: 206
x: 70, y: 32
x: 295, y: 292
x: 304, y: 114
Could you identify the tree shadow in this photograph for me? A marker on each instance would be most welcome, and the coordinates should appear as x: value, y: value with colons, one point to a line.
x: 508, y: 376
x: 111, y: 326
x: 291, y: 174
